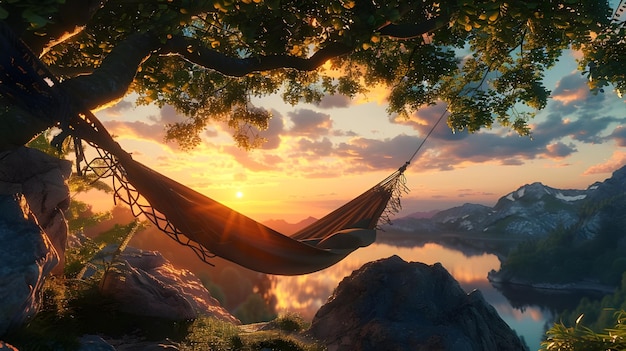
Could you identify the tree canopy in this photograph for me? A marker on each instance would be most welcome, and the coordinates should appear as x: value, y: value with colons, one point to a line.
x: 485, y: 59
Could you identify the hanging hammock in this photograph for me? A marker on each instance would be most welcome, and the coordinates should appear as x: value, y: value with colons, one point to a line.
x: 208, y: 227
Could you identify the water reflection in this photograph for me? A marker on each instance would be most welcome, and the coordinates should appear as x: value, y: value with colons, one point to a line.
x: 306, y: 294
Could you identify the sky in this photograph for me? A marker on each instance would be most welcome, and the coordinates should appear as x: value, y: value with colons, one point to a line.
x: 319, y: 156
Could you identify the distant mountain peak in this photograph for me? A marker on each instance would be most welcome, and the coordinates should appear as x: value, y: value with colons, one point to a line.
x: 287, y: 228
x: 619, y: 175
x: 533, y: 209
x: 533, y: 191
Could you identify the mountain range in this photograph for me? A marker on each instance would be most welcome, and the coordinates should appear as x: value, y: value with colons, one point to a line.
x: 532, y: 210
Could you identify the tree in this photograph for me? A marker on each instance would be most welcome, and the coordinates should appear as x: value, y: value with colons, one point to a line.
x: 207, y: 58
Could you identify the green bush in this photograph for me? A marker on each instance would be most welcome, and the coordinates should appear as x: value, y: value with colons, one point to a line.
x: 579, y: 337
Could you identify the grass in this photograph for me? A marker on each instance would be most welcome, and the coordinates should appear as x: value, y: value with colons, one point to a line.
x: 281, y: 334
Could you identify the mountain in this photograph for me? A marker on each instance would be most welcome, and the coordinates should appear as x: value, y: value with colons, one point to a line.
x: 425, y: 214
x: 532, y: 210
x: 286, y: 228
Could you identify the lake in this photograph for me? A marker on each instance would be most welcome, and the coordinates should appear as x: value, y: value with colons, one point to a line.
x: 528, y: 312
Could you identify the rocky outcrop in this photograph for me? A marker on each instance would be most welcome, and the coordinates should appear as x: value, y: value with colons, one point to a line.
x: 145, y: 283
x: 26, y: 257
x: 41, y: 179
x: 394, y: 305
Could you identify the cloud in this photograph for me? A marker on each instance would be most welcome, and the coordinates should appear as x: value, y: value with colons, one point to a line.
x: 584, y: 126
x: 249, y: 161
x: 273, y: 132
x: 571, y: 88
x: 425, y: 118
x: 240, y: 177
x: 560, y: 150
x: 334, y: 101
x: 136, y: 130
x: 167, y: 115
x: 310, y: 123
x: 378, y: 93
x: 118, y: 109
x: 615, y: 162
x: 368, y: 154
x: 316, y: 148
x: 618, y: 135
x: 211, y: 133
x: 471, y: 193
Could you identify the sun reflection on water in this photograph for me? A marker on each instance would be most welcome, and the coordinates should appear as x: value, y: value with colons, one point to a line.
x: 306, y: 294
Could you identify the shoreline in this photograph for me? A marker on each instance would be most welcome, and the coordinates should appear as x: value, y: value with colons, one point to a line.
x: 583, y: 286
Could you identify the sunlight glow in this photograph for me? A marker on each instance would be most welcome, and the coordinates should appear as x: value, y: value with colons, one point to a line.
x: 239, y: 194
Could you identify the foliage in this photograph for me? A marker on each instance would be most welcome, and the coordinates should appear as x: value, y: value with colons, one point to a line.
x: 91, y: 251
x: 579, y: 337
x: 80, y: 216
x: 73, y: 308
x: 484, y: 58
x: 42, y: 143
x: 254, y: 309
x: 37, y: 13
x: 213, y: 334
x: 599, y: 314
x: 290, y: 322
x: 560, y: 259
x: 564, y: 257
x: 214, y: 289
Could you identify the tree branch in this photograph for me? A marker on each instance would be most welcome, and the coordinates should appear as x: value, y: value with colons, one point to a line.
x: 196, y: 52
x: 111, y: 80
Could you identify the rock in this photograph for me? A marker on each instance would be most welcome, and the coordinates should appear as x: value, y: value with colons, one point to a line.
x: 26, y: 257
x: 94, y: 343
x: 145, y: 283
x: 128, y: 343
x: 394, y: 305
x: 41, y: 179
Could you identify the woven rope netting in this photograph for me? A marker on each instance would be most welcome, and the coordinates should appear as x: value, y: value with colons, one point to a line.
x: 106, y: 166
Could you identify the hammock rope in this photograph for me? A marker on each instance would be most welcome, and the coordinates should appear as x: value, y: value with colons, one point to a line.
x: 208, y: 227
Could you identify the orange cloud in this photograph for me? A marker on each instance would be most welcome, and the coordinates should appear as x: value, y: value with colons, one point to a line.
x: 616, y: 161
x: 568, y: 95
x: 571, y: 88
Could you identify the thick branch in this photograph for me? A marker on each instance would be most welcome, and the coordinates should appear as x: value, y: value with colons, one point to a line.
x: 196, y: 52
x: 70, y: 71
x: 111, y: 80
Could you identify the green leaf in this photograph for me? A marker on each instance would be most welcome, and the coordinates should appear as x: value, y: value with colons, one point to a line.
x: 36, y: 21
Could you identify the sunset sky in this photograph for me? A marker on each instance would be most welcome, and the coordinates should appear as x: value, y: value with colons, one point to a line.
x: 318, y: 157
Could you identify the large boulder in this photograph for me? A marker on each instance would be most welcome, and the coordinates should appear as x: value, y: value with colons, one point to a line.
x: 391, y: 304
x: 26, y: 257
x: 145, y: 283
x: 41, y: 178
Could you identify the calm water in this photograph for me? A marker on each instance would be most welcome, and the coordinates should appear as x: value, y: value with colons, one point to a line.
x: 528, y: 314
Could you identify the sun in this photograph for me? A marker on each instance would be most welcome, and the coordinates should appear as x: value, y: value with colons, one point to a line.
x: 239, y: 194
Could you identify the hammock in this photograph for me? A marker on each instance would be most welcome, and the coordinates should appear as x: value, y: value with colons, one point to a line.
x: 208, y: 227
